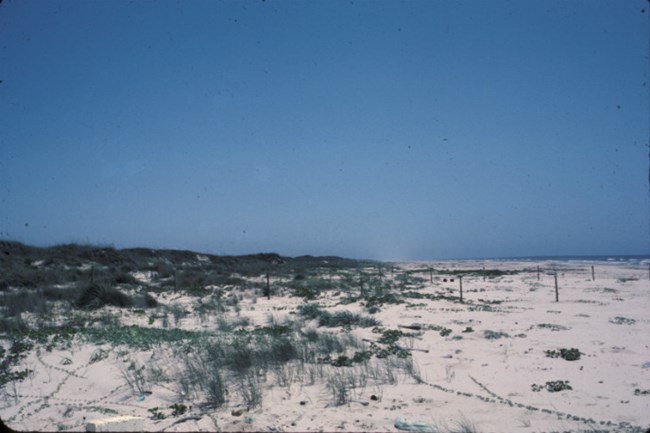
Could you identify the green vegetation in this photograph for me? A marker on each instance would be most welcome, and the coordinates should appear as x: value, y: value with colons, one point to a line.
x: 57, y: 298
x: 553, y: 386
x: 572, y: 354
x: 551, y: 327
x: 494, y: 335
x: 618, y: 320
x: 18, y: 351
x: 343, y: 319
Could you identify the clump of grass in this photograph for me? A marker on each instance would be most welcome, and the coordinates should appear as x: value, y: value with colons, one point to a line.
x: 304, y: 292
x: 342, y: 384
x: 200, y: 378
x: 494, y: 335
x: 465, y: 425
x: 250, y: 389
x: 178, y: 409
x: 345, y: 319
x: 18, y: 351
x: 12, y: 325
x: 309, y: 311
x: 178, y: 312
x: 357, y: 358
x: 15, y: 303
x: 551, y: 326
x: 339, y: 318
x: 131, y: 336
x: 135, y: 378
x: 156, y: 414
x: 383, y: 298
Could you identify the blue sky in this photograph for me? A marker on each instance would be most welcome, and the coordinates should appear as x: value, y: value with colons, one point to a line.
x: 370, y: 129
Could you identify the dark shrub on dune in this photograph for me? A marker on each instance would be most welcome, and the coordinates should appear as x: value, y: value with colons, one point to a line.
x: 149, y: 301
x: 96, y: 296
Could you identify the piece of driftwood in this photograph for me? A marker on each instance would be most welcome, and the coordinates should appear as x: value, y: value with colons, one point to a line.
x: 186, y: 419
x: 414, y: 349
x: 399, y: 347
x: 413, y: 327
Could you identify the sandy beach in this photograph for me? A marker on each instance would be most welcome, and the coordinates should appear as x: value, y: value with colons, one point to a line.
x: 509, y: 358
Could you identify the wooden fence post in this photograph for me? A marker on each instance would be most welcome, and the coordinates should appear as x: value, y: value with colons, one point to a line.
x: 557, y: 295
x: 460, y: 279
x: 267, y: 291
x: 361, y: 285
x: 431, y: 275
x: 537, y: 272
x: 593, y: 275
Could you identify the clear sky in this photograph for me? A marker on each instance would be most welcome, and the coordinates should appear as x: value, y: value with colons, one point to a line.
x: 367, y: 129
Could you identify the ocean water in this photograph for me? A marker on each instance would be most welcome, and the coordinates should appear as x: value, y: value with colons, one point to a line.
x: 631, y: 260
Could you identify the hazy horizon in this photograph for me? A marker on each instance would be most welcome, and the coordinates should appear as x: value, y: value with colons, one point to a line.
x: 386, y: 130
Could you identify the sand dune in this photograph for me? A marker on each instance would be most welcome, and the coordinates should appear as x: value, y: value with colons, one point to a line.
x: 493, y: 363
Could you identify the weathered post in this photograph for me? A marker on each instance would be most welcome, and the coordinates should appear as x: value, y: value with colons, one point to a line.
x: 593, y: 275
x: 267, y: 290
x: 460, y: 280
x: 557, y: 296
x: 330, y: 269
x: 537, y: 272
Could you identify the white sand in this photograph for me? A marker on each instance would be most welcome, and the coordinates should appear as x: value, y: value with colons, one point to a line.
x: 485, y: 382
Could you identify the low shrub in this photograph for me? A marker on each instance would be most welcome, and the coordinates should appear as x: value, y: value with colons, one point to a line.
x: 309, y: 311
x: 493, y: 335
x: 345, y: 319
x: 95, y: 296
x: 13, y: 304
x: 572, y: 354
x: 304, y: 292
x: 553, y: 386
x: 557, y: 385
